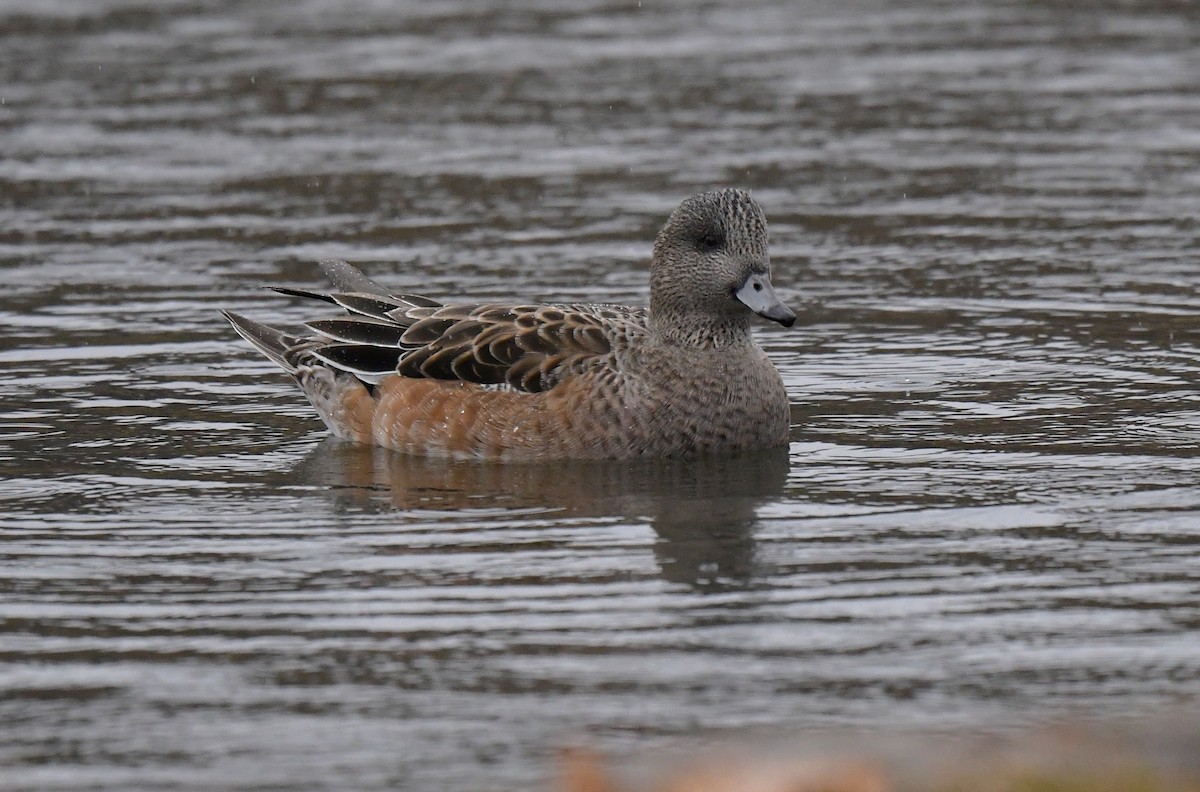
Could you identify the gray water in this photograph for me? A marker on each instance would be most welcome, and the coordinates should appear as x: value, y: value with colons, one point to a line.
x: 987, y: 214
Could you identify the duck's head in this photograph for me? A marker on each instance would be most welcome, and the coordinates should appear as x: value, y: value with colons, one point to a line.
x: 711, y: 266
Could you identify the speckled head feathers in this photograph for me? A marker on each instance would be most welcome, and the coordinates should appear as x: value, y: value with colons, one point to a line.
x: 728, y: 220
x: 712, y: 247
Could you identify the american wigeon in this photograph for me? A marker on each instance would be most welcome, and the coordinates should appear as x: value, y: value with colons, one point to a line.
x: 579, y: 381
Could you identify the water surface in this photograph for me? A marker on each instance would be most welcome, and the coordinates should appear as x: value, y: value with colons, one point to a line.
x: 988, y: 516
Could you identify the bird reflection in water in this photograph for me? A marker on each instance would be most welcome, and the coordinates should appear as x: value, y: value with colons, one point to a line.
x: 703, y: 510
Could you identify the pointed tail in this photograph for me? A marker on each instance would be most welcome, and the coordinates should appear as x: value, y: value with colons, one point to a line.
x: 272, y: 342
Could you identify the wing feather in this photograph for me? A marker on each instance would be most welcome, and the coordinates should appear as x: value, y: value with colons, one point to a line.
x: 370, y: 363
x: 359, y: 331
x: 527, y: 347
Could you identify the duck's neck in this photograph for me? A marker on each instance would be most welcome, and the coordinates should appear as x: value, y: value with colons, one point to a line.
x: 702, y: 332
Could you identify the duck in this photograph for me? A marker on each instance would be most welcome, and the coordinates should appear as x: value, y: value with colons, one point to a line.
x: 526, y: 381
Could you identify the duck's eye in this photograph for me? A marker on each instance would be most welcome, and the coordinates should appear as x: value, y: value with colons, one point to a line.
x: 711, y: 240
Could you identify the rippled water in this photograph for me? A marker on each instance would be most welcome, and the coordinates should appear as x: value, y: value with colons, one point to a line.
x: 989, y: 514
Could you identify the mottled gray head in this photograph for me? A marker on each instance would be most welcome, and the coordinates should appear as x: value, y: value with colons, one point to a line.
x: 711, y: 268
